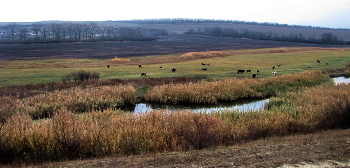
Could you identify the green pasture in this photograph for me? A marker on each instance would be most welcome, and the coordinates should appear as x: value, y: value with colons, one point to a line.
x: 20, y: 72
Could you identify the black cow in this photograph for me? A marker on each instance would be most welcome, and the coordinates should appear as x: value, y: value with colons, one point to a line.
x: 318, y: 61
x: 203, y: 64
x: 161, y: 67
x: 258, y: 71
x: 204, y: 69
x: 107, y: 66
x: 240, y: 71
x: 173, y: 69
x: 254, y: 75
x: 273, y: 67
x: 143, y: 74
x: 140, y: 66
x: 249, y: 70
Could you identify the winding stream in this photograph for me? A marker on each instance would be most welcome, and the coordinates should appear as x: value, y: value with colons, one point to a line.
x: 341, y: 79
x: 241, y: 105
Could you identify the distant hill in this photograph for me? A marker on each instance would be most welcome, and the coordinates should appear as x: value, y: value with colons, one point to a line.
x: 151, y: 28
x: 182, y: 26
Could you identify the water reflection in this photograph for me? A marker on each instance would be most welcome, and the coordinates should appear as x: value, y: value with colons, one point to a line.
x: 242, y: 106
x: 341, y: 79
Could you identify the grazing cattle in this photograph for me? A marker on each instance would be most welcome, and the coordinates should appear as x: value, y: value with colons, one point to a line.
x: 254, y: 75
x: 208, y: 64
x: 240, y: 71
x: 161, y: 67
x: 203, y: 64
x: 107, y: 66
x: 273, y: 67
x: 204, y: 69
x: 326, y: 63
x: 140, y: 66
x: 274, y: 73
x: 278, y: 65
x: 258, y: 71
x: 249, y: 70
x: 143, y: 74
x: 173, y: 69
x: 318, y: 61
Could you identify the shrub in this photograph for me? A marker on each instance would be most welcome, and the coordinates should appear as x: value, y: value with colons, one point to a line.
x: 81, y: 76
x: 207, y: 54
x: 278, y: 51
x: 347, y: 73
x: 201, y: 134
x: 116, y: 59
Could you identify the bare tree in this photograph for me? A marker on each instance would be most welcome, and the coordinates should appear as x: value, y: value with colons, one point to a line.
x: 329, y: 38
x: 56, y: 30
x: 44, y: 31
x: 10, y: 31
x: 23, y: 33
x: 92, y: 30
x: 36, y: 27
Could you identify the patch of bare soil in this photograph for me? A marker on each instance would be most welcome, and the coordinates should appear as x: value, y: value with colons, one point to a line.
x: 171, y: 44
x: 329, y: 148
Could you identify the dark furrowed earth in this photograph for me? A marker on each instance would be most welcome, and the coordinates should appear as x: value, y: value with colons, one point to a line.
x: 171, y: 44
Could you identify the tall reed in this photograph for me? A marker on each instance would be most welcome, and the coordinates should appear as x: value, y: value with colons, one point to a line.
x: 232, y: 89
x: 110, y: 132
x: 114, y: 133
x: 76, y: 100
x: 321, y: 107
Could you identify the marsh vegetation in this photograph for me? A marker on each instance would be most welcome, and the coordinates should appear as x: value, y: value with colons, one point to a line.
x: 101, y: 133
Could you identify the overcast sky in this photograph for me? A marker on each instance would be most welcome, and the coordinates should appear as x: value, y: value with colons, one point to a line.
x: 324, y: 13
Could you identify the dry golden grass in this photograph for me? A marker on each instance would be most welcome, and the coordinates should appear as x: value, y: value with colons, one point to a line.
x: 207, y: 54
x: 114, y: 133
x: 116, y: 59
x: 76, y: 100
x: 233, y: 88
x: 109, y: 132
x: 323, y: 106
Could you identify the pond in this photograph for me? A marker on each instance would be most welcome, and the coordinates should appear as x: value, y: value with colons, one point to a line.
x: 240, y: 105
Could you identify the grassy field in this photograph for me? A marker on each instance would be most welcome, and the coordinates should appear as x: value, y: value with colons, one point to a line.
x: 83, y: 120
x: 292, y: 60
